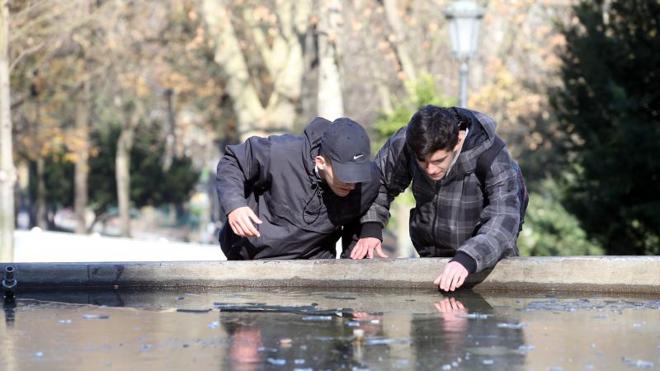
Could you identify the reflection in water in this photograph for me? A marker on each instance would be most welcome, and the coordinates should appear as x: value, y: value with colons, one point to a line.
x: 288, y: 329
x: 244, y: 343
x: 452, y: 331
x: 9, y: 307
x: 258, y: 339
x: 466, y: 334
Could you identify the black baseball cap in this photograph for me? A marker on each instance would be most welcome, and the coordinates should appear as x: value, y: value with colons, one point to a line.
x: 347, y: 145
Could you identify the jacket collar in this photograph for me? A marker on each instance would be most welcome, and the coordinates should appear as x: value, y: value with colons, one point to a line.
x: 313, y: 133
x: 480, y: 137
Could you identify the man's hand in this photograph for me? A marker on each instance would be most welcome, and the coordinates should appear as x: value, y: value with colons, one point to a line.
x: 366, y: 246
x: 452, y: 277
x: 241, y: 222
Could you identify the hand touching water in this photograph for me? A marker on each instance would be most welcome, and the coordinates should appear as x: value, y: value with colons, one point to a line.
x: 452, y: 277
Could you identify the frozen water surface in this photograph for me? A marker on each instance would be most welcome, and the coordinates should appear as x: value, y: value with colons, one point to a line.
x: 328, y: 329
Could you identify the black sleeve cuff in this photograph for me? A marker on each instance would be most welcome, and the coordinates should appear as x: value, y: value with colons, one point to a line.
x: 466, y: 261
x: 372, y: 229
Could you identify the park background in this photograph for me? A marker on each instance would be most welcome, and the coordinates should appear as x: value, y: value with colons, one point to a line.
x: 114, y: 113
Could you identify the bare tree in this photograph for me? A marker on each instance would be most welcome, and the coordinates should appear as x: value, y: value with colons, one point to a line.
x: 330, y: 102
x: 82, y: 122
x: 81, y: 172
x: 397, y: 39
x: 265, y: 97
x: 122, y: 168
x: 7, y: 171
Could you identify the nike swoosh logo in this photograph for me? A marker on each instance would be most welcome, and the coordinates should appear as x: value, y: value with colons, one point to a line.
x: 357, y: 157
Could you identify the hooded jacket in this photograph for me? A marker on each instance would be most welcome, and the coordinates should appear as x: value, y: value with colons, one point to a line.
x: 456, y: 216
x: 302, y: 218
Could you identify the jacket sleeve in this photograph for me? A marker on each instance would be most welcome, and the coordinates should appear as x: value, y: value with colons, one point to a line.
x: 496, y: 237
x: 392, y: 162
x: 243, y: 167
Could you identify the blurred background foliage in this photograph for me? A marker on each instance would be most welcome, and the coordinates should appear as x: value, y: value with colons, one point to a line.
x: 609, y: 108
x: 118, y: 106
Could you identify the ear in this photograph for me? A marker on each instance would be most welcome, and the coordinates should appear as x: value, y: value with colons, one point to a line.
x: 320, y: 162
x: 461, y: 139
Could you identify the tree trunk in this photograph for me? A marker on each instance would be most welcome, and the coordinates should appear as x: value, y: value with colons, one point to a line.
x: 399, y: 44
x: 123, y: 174
x: 42, y: 220
x: 82, y: 159
x: 330, y: 103
x: 282, y: 55
x: 170, y: 137
x: 401, y: 208
x: 7, y: 171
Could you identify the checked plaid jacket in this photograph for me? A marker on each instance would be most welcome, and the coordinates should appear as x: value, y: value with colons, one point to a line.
x: 457, y: 213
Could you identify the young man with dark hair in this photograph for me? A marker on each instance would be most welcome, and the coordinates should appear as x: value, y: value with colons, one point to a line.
x: 470, y: 195
x: 293, y: 197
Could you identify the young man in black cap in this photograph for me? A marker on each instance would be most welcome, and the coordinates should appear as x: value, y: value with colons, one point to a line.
x: 293, y: 197
x: 470, y: 195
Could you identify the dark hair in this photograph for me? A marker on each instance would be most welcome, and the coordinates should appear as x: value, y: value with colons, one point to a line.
x: 431, y: 129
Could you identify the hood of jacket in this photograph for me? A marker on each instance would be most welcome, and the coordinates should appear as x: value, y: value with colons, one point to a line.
x: 312, y: 134
x: 481, y: 135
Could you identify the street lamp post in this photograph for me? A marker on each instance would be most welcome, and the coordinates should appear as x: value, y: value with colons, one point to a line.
x: 464, y: 17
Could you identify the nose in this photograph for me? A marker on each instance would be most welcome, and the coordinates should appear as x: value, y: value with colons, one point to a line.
x: 434, y: 171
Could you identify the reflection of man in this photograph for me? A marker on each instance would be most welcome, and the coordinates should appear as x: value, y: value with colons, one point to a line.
x: 452, y: 334
x: 292, y: 197
x: 469, y: 193
x: 243, y: 348
x: 269, y: 340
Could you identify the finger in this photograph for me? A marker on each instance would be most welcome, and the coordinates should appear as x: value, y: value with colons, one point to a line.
x: 443, y: 280
x: 237, y: 229
x: 354, y: 250
x: 248, y: 227
x: 254, y: 217
x: 436, y: 282
x: 456, y: 280
x: 355, y: 253
x: 453, y: 281
x: 461, y: 280
x: 361, y: 251
x: 441, y: 306
x: 242, y: 229
x: 379, y: 251
x: 370, y: 253
x: 446, y: 278
x: 452, y: 304
x: 438, y: 307
x: 460, y: 305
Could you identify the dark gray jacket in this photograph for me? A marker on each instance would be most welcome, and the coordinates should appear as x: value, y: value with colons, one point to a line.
x: 453, y: 217
x: 302, y: 218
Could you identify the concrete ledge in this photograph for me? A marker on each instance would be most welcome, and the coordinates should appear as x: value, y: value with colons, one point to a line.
x: 634, y: 274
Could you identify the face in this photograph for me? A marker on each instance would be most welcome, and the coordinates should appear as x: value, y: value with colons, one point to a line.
x: 338, y: 187
x: 437, y: 163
